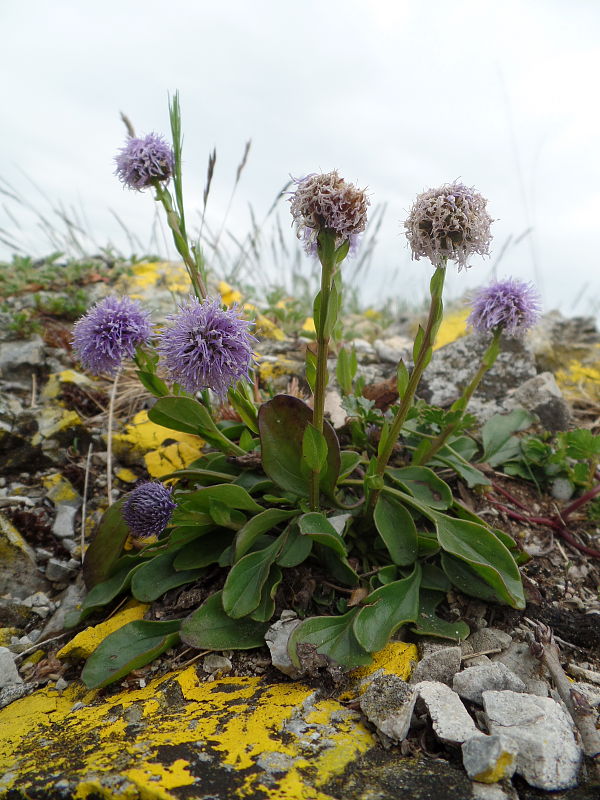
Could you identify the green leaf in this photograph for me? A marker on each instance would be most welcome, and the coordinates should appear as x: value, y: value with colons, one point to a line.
x: 387, y: 609
x: 424, y: 484
x: 402, y: 378
x: 429, y: 624
x: 418, y: 343
x: 332, y: 310
x: 296, y: 548
x: 243, y: 587
x: 210, y: 628
x: 230, y: 495
x: 332, y: 637
x: 106, y: 546
x: 432, y: 577
x: 106, y: 591
x: 499, y: 444
x: 316, y: 526
x: 202, y: 552
x: 311, y: 368
x: 484, y: 553
x: 266, y: 608
x: 466, y: 579
x: 130, y: 647
x: 338, y: 566
x: 158, y: 575
x: 245, y: 408
x: 396, y: 527
x: 152, y: 383
x: 189, y: 416
x: 470, y: 474
x: 349, y: 460
x: 257, y: 525
x: 314, y: 448
x: 345, y: 370
x: 282, y: 422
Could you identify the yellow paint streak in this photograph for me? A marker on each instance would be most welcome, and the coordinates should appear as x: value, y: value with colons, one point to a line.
x: 6, y: 635
x: 581, y: 380
x: 126, y: 475
x: 174, y: 456
x: 233, y: 724
x: 274, y: 369
x: 83, y: 644
x: 453, y: 326
x: 143, y: 435
x: 59, y: 489
x: 396, y: 658
x: 498, y: 770
x: 53, y: 385
x: 229, y: 295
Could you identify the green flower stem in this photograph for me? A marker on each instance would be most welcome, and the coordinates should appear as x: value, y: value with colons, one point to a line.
x: 422, y: 357
x: 460, y: 405
x: 181, y: 242
x: 323, y: 323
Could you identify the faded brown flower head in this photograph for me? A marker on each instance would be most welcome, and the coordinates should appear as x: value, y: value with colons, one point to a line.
x: 449, y: 223
x: 327, y: 201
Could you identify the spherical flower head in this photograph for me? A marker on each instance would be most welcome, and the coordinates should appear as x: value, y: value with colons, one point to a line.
x: 110, y: 332
x: 143, y: 161
x: 206, y: 347
x: 327, y: 201
x: 513, y: 306
x: 449, y: 223
x: 148, y: 509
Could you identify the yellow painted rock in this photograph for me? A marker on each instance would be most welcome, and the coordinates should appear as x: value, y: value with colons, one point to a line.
x: 161, y: 449
x: 184, y: 737
x: 84, y: 643
x: 453, y: 327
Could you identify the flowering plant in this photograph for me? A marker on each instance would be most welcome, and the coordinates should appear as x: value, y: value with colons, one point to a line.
x: 375, y: 537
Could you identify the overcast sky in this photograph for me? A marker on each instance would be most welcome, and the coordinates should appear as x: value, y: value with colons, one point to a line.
x: 398, y: 95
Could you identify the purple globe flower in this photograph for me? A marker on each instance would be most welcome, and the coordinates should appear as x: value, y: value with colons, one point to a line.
x: 148, y: 509
x: 141, y: 162
x: 206, y: 347
x: 109, y: 332
x: 512, y: 305
x: 327, y: 201
x: 449, y: 223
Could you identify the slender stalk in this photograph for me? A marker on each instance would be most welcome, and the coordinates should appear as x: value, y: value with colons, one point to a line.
x: 180, y: 240
x: 111, y: 416
x: 327, y: 257
x: 422, y: 358
x: 422, y: 456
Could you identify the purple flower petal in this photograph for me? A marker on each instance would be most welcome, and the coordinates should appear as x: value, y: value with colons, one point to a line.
x: 327, y: 201
x: 206, y: 347
x: 110, y: 332
x: 449, y: 223
x: 142, y: 161
x: 148, y: 509
x: 511, y: 305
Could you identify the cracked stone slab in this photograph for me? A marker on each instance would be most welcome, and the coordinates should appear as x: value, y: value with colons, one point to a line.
x: 451, y: 721
x: 549, y: 757
x: 473, y: 681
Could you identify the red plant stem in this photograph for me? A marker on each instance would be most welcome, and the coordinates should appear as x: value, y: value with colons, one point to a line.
x: 556, y: 526
x: 585, y: 498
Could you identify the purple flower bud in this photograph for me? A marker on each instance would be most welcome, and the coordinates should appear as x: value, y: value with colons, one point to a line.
x: 109, y: 332
x: 206, y: 347
x: 327, y: 201
x: 512, y: 305
x: 142, y: 161
x: 148, y: 509
x: 449, y: 223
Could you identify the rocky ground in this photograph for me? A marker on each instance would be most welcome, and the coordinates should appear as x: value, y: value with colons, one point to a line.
x: 422, y: 732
